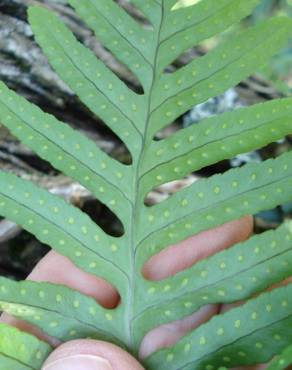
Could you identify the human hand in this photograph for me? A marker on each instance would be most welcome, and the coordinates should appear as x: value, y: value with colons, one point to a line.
x: 92, y: 354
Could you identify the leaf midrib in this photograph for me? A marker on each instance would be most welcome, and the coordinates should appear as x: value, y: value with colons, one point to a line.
x: 129, y: 312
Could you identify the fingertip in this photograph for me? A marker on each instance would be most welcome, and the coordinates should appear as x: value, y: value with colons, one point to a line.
x: 88, y: 354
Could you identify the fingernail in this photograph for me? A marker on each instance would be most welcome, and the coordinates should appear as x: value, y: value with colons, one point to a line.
x: 80, y: 362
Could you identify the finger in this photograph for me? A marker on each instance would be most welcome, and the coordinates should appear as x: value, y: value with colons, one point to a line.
x: 90, y: 355
x: 180, y: 257
x: 183, y: 255
x: 58, y: 269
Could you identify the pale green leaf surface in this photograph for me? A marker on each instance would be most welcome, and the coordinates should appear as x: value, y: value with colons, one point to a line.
x: 126, y: 39
x: 214, y: 139
x: 231, y: 49
x: 252, y: 349
x: 97, y: 86
x: 124, y: 25
x: 11, y: 364
x: 187, y: 27
x: 32, y: 352
x: 54, y: 324
x: 185, y: 18
x: 211, y: 202
x: 64, y: 227
x: 229, y: 276
x: 39, y: 303
x: 168, y: 6
x: 228, y: 64
x: 284, y: 360
x: 273, y: 308
x: 68, y: 150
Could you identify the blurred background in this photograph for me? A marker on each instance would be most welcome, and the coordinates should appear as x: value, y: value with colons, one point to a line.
x: 25, y: 69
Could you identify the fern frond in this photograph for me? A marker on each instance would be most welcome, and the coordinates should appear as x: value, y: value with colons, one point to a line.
x: 216, y: 138
x: 67, y: 150
x: 11, y: 364
x: 46, y: 306
x: 283, y: 361
x: 219, y: 341
x: 31, y: 352
x: 188, y: 26
x: 97, y: 87
x: 211, y: 202
x: 65, y: 228
x: 124, y: 37
x: 229, y: 276
x: 227, y: 65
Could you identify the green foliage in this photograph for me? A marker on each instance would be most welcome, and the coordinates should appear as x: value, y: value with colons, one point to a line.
x: 246, y: 333
x: 283, y: 361
x: 19, y: 350
x: 242, y: 335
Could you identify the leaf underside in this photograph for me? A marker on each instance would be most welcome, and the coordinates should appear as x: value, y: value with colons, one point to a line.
x: 236, y: 274
x: 283, y: 361
x: 19, y: 350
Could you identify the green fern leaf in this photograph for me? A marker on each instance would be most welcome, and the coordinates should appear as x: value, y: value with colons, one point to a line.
x: 63, y: 227
x: 217, y: 138
x: 98, y: 87
x: 45, y: 305
x: 217, y: 200
x: 188, y: 26
x: 229, y: 276
x: 228, y: 64
x: 67, y: 150
x: 124, y: 37
x: 283, y: 360
x: 31, y: 354
x: 268, y: 314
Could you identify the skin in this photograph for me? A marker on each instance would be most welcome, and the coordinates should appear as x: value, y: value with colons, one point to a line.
x: 170, y: 261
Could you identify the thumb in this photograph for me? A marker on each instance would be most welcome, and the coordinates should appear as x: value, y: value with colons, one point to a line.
x: 90, y: 355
